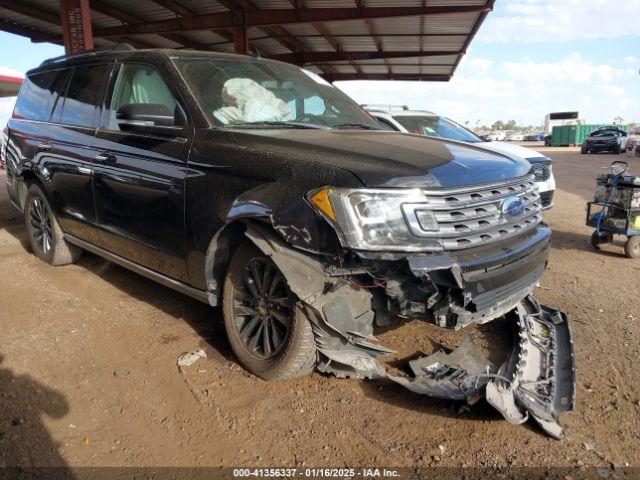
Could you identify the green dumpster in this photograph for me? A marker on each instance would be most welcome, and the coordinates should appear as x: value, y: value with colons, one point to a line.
x: 566, y: 135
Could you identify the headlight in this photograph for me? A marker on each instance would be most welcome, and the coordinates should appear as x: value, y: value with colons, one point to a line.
x: 541, y: 172
x: 377, y: 219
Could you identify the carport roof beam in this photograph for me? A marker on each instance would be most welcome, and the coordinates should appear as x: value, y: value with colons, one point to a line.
x: 271, y: 17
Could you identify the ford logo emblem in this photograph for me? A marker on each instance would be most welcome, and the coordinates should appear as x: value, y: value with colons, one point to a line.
x: 512, y: 207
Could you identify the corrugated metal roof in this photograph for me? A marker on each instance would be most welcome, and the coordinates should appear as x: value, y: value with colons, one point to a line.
x: 340, y: 39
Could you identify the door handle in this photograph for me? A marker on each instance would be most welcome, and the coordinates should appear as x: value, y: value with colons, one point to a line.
x: 45, y: 146
x: 105, y: 158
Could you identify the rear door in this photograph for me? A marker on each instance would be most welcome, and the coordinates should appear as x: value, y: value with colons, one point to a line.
x: 33, y: 107
x: 67, y: 147
x: 139, y: 178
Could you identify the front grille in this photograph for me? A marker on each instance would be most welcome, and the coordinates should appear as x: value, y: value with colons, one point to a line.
x: 471, y: 216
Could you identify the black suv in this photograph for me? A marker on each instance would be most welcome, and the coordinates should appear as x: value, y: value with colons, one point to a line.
x: 259, y: 186
x: 605, y: 140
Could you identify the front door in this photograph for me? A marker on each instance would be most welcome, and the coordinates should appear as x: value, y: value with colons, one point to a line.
x: 139, y: 178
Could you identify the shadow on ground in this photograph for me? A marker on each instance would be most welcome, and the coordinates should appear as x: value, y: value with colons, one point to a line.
x: 24, y: 439
x: 578, y: 241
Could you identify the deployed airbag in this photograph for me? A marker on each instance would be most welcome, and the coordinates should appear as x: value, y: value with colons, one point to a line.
x: 250, y: 102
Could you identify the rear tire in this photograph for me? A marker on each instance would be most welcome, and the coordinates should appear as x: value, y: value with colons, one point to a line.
x: 632, y: 247
x: 44, y: 233
x: 266, y: 326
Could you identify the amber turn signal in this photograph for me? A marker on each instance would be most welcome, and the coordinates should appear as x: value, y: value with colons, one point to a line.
x: 321, y: 200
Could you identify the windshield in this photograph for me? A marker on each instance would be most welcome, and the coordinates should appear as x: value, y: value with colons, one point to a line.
x: 436, y: 126
x: 253, y: 93
x: 603, y: 133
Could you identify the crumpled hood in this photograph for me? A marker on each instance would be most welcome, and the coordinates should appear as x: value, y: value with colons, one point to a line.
x: 389, y: 159
x: 601, y: 137
x: 513, y: 149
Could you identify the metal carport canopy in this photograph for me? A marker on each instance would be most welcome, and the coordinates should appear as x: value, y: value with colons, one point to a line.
x: 338, y: 39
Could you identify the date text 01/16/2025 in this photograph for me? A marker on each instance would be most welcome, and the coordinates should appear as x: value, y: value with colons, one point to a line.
x: 315, y: 472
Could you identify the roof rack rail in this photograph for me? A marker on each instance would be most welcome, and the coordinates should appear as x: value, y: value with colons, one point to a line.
x: 383, y: 106
x: 120, y: 47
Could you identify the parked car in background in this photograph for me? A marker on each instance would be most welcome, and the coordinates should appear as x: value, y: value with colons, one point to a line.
x: 605, y: 140
x: 258, y: 186
x: 533, y: 137
x: 497, y: 137
x: 633, y: 140
x: 515, y: 137
x: 433, y: 125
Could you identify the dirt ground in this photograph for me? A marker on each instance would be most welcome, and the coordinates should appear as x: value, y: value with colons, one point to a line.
x: 88, y: 373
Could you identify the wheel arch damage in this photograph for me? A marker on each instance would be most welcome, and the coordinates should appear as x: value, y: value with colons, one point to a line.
x: 536, y: 381
x: 341, y: 315
x: 271, y: 208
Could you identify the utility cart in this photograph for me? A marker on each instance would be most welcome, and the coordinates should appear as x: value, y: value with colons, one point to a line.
x: 615, y: 209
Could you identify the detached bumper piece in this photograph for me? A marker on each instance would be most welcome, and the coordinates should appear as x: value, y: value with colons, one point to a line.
x: 537, y: 380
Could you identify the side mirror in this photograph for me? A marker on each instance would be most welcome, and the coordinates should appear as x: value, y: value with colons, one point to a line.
x: 151, y: 118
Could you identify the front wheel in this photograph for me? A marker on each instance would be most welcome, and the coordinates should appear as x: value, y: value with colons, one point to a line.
x: 632, y: 247
x: 267, y: 328
x: 44, y: 233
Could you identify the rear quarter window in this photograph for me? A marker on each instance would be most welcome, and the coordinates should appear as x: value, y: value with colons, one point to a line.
x: 36, y: 96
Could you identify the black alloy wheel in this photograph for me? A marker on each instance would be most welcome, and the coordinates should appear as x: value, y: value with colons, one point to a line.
x: 263, y: 308
x: 40, y: 227
x: 268, y: 327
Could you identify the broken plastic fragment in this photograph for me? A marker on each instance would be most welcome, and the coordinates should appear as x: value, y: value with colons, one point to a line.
x: 459, y: 375
x: 189, y: 358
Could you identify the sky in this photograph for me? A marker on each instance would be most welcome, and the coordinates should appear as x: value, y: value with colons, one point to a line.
x: 533, y: 57
x: 530, y: 58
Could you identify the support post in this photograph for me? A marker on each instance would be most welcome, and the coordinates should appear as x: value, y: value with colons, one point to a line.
x: 241, y: 40
x: 75, y: 19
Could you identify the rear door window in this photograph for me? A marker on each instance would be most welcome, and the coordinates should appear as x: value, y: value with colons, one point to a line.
x: 59, y: 90
x: 84, y: 96
x: 36, y: 96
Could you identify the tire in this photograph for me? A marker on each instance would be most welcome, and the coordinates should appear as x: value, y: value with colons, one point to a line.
x: 583, y: 149
x: 632, y: 247
x: 278, y: 356
x: 597, y: 240
x: 44, y: 233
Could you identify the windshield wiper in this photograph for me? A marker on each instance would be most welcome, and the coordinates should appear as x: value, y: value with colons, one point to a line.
x: 365, y: 126
x: 278, y: 124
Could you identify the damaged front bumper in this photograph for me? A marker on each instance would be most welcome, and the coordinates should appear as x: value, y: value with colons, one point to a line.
x: 537, y: 378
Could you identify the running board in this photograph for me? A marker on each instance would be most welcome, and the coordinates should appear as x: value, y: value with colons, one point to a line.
x: 205, y: 297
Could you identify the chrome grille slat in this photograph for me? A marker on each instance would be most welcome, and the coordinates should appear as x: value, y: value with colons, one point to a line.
x: 473, y: 216
x: 465, y: 214
x: 443, y: 204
